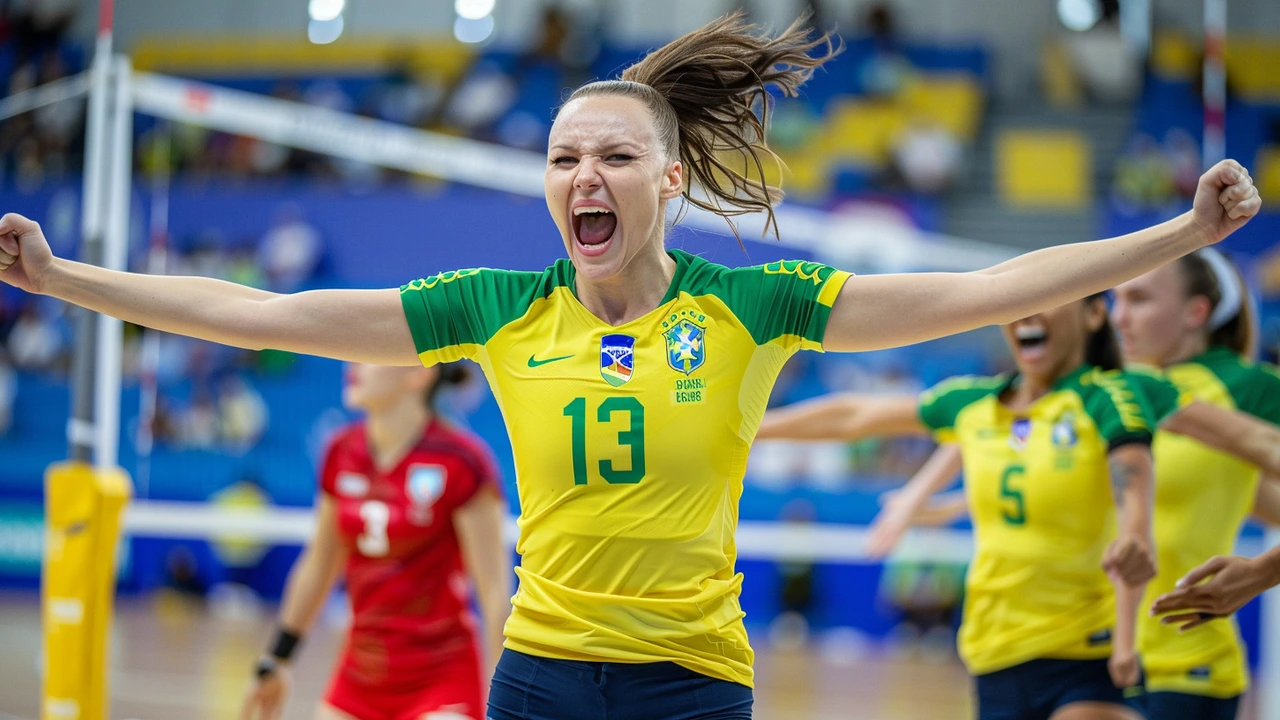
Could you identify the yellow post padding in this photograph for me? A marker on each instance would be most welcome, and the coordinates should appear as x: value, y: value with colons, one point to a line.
x: 83, y: 505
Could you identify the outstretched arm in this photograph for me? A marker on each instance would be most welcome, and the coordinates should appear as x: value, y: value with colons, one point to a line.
x: 1217, y: 589
x: 881, y: 311
x: 901, y: 512
x: 357, y: 325
x: 844, y: 416
x: 1231, y: 431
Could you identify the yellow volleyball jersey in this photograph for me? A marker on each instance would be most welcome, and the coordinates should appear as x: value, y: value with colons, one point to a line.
x: 1202, y: 498
x: 1039, y: 493
x: 630, y: 445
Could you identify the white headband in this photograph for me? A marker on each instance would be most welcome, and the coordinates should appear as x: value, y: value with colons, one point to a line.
x: 1232, y: 299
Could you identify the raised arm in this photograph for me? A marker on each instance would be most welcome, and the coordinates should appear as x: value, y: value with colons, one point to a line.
x: 844, y: 416
x: 881, y: 311
x: 1266, y: 500
x: 1231, y: 431
x: 305, y: 592
x: 899, y: 514
x: 365, y: 326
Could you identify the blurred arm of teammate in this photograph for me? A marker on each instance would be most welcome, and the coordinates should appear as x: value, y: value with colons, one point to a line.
x: 881, y: 311
x: 1131, y: 557
x: 905, y: 508
x: 479, y: 524
x: 366, y: 326
x: 1218, y: 588
x: 1231, y: 431
x: 305, y: 592
x: 844, y: 416
x: 1266, y: 500
x: 1130, y: 560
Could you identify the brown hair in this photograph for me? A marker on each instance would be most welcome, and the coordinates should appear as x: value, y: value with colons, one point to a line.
x: 1102, y: 348
x: 454, y: 373
x: 703, y: 90
x: 1237, y: 332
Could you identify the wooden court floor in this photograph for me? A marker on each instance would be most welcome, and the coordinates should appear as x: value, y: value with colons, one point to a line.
x: 175, y: 661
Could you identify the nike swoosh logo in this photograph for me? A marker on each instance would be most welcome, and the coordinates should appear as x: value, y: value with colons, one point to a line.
x: 535, y: 362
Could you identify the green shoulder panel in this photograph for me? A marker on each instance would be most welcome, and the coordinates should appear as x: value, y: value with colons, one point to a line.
x: 1117, y: 405
x: 468, y: 307
x: 784, y: 298
x: 1163, y: 397
x: 942, y: 404
x: 1255, y: 387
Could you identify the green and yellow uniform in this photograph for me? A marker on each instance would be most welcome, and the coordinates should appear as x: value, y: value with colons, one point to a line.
x: 630, y: 445
x: 1202, y: 498
x: 1039, y: 493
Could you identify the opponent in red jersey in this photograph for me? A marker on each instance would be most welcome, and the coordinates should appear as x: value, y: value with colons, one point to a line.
x: 412, y: 510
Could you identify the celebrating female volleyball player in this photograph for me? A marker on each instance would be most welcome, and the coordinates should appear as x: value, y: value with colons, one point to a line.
x: 411, y: 509
x: 631, y: 378
x: 1192, y: 319
x: 1040, y: 449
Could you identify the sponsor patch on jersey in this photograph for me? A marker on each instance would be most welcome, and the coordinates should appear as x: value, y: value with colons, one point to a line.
x: 617, y: 358
x: 686, y: 346
x: 352, y: 485
x: 1102, y: 637
x: 1199, y: 673
x: 1019, y: 433
x: 424, y: 485
x: 1064, y: 431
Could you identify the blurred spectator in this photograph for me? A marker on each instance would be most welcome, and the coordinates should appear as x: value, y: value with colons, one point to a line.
x: 34, y: 342
x: 242, y: 414
x: 884, y: 70
x: 8, y: 394
x: 1183, y: 153
x: 291, y: 250
x: 1144, y: 176
x: 927, y: 157
x: 198, y: 426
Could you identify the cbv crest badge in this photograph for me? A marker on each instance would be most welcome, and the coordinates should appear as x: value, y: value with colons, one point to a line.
x: 617, y: 358
x: 686, y: 347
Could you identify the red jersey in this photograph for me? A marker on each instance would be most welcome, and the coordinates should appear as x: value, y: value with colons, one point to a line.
x: 410, y: 595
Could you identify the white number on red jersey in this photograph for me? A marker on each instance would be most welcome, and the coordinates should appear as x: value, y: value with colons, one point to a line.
x: 373, y: 541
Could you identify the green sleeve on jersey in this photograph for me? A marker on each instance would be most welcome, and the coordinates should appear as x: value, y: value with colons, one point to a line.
x: 1118, y: 407
x: 1257, y: 391
x: 784, y: 298
x: 1163, y: 397
x: 453, y: 314
x: 941, y: 404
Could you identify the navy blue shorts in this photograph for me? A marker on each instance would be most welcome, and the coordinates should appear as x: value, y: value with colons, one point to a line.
x: 1185, y: 706
x: 534, y: 688
x: 1036, y: 689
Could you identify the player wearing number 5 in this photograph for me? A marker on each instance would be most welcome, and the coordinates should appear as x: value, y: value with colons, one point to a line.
x: 410, y: 513
x: 1044, y: 449
x: 631, y: 378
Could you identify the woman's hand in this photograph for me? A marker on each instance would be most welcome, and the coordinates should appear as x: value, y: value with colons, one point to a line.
x: 1225, y: 200
x: 25, y: 257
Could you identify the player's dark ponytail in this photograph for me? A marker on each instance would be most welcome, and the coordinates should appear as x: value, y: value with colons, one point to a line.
x: 451, y: 374
x: 1102, y: 348
x: 708, y: 92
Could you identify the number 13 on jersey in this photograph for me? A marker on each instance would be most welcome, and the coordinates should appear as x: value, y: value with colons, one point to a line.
x: 632, y: 437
